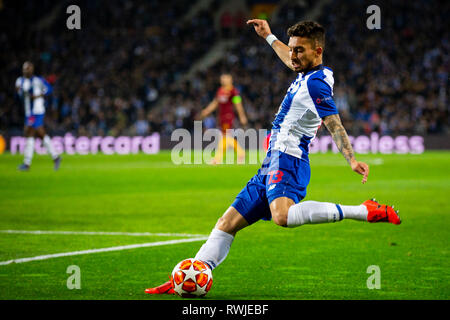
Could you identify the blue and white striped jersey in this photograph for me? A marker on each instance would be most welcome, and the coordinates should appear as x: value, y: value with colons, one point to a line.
x: 34, y: 86
x: 307, y: 101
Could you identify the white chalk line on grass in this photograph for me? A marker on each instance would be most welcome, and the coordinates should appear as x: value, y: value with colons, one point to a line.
x: 102, y: 233
x: 110, y: 249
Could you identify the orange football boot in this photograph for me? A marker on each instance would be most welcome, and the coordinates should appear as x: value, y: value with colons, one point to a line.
x: 381, y: 212
x: 165, y: 288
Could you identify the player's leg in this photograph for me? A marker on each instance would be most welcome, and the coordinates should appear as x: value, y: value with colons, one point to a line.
x: 40, y: 133
x: 29, y: 133
x: 216, y: 248
x: 288, y: 214
x: 47, y: 142
x: 233, y: 143
x: 230, y: 142
x: 221, y: 149
x: 223, y: 144
x: 286, y: 184
x: 250, y: 206
x: 279, y: 208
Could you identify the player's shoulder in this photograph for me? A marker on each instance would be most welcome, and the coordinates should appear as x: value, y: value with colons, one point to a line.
x: 39, y: 79
x: 18, y: 80
x: 322, y: 73
x: 321, y: 77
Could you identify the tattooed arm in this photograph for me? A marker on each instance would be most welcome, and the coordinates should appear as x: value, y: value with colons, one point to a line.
x: 337, y: 130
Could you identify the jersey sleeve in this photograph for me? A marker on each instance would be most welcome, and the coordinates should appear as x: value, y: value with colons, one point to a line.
x: 235, y: 96
x: 322, y: 95
x: 18, y: 80
x: 45, y: 86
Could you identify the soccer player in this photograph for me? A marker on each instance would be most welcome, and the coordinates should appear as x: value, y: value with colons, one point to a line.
x: 226, y: 97
x: 32, y: 90
x: 277, y: 189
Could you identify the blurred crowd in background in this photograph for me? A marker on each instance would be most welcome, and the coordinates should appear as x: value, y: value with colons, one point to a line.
x: 122, y: 73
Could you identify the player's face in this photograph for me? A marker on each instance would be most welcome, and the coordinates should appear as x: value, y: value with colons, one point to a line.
x: 226, y: 80
x: 303, y: 55
x: 27, y: 69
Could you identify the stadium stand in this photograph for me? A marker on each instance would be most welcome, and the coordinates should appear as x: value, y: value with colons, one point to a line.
x: 109, y: 77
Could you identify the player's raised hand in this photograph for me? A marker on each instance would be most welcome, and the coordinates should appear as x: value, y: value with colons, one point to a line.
x: 361, y: 168
x: 261, y: 27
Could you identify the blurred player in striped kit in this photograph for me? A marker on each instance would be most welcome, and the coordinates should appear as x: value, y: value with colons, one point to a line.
x: 32, y: 90
x: 226, y: 97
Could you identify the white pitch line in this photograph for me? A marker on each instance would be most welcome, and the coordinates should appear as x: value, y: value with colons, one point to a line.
x: 119, y: 248
x: 101, y: 233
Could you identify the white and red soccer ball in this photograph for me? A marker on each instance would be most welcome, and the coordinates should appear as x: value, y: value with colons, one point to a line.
x: 191, y: 278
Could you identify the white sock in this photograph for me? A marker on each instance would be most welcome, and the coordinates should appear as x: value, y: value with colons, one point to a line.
x: 355, y: 212
x: 216, y: 248
x: 312, y: 212
x: 28, y: 152
x: 49, y: 146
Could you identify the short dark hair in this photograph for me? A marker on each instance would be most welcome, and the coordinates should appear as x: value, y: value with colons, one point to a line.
x: 308, y: 29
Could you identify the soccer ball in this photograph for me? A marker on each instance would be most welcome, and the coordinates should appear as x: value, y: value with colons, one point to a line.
x: 191, y: 278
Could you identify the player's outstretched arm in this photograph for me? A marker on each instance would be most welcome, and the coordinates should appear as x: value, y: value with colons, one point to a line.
x: 210, y: 108
x: 263, y: 30
x: 241, y: 113
x: 340, y: 137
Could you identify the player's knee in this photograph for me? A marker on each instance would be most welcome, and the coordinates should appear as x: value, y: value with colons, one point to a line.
x: 40, y: 132
x: 226, y: 225
x: 29, y: 132
x: 279, y: 217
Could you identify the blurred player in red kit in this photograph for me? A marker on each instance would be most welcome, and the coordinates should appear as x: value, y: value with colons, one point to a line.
x: 227, y: 98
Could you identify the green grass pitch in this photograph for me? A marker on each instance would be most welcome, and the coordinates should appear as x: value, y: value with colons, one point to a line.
x: 148, y: 194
